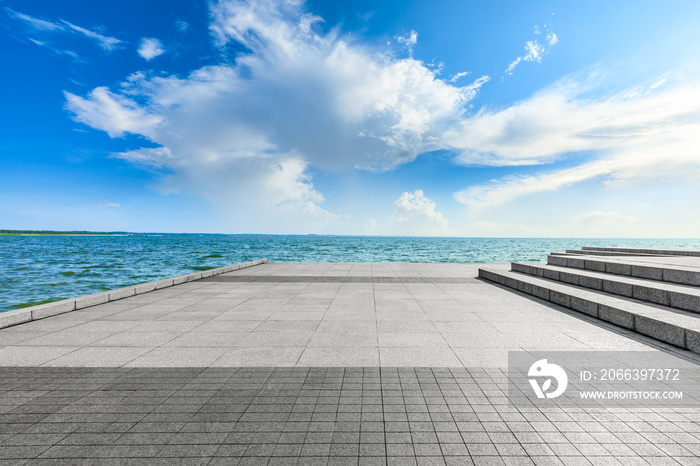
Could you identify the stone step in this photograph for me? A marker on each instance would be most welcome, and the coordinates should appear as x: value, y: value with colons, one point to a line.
x: 610, y: 253
x: 665, y: 252
x: 672, y: 326
x: 683, y: 275
x: 683, y: 297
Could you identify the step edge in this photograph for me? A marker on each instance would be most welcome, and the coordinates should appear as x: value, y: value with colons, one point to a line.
x: 643, y: 281
x: 668, y: 332
x: 676, y: 275
x: 673, y: 298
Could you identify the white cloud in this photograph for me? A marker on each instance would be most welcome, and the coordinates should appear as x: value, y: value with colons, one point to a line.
x: 513, y: 64
x: 154, y: 157
x: 299, y: 98
x: 630, y: 138
x: 106, y: 42
x: 254, y: 194
x: 115, y: 114
x: 287, y: 185
x: 561, y: 119
x: 249, y: 133
x: 409, y: 40
x: 69, y: 53
x: 44, y: 26
x: 35, y: 23
x: 534, y: 50
x: 658, y: 83
x: 419, y: 211
x: 150, y: 48
x: 534, y: 53
x: 307, y: 21
x: 509, y: 188
x: 458, y: 76
x: 472, y: 89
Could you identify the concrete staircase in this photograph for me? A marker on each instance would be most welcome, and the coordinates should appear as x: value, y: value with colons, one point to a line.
x: 654, y: 292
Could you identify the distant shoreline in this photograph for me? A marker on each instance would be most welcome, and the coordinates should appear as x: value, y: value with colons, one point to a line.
x: 64, y: 234
x: 8, y: 232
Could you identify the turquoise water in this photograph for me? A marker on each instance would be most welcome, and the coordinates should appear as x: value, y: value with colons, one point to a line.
x: 35, y: 269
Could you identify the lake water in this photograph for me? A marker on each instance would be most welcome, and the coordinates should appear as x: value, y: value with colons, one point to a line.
x: 36, y: 269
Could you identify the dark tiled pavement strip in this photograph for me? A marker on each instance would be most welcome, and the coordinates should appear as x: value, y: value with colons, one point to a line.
x: 321, y: 384
x: 316, y: 416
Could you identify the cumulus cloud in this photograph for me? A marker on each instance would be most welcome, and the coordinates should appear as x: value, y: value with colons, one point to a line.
x: 416, y: 210
x: 336, y: 103
x: 38, y: 25
x: 298, y: 98
x: 250, y: 132
x: 254, y: 194
x: 552, y: 38
x: 150, y: 48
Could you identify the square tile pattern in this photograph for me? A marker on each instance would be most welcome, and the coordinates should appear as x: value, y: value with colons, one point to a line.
x: 292, y: 363
x: 319, y: 415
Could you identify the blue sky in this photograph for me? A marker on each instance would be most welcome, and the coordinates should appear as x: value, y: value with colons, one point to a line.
x: 413, y: 118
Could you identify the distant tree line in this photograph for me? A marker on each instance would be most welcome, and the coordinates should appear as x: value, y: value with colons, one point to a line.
x: 53, y: 232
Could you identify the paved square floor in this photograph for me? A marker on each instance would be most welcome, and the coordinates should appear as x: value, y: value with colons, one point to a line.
x: 315, y: 364
x: 296, y: 314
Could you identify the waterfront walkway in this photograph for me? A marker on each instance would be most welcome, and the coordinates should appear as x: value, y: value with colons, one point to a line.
x: 295, y: 363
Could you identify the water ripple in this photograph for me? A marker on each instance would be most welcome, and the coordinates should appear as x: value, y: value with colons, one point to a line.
x: 37, y: 269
